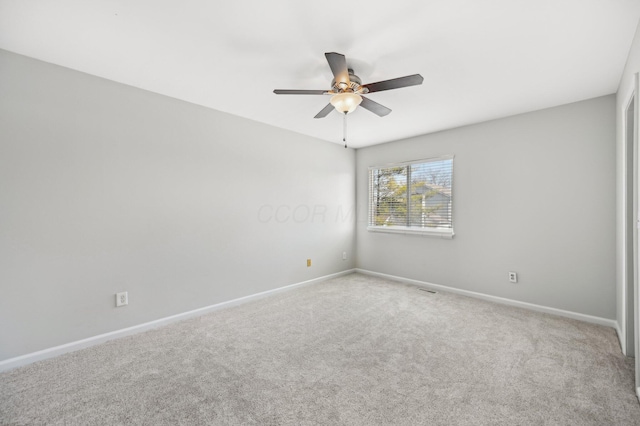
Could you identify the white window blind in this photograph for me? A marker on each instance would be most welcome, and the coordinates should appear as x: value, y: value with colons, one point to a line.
x: 412, y: 197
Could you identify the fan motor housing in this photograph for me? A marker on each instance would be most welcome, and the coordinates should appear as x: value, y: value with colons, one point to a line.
x: 354, y: 86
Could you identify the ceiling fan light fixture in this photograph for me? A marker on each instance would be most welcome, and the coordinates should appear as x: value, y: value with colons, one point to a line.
x: 346, y: 102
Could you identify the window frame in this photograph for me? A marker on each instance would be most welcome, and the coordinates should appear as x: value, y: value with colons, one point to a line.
x: 440, y: 232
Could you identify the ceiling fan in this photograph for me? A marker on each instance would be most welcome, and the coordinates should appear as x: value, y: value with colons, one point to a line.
x: 347, y: 89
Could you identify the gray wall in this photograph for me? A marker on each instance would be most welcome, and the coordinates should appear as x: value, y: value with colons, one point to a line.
x: 106, y: 188
x: 533, y: 193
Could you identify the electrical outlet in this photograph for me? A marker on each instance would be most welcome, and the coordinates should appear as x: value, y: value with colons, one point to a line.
x: 513, y: 277
x: 344, y: 255
x: 308, y: 262
x: 122, y: 299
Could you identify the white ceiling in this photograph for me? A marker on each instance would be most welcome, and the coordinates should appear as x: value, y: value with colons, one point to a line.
x: 481, y: 59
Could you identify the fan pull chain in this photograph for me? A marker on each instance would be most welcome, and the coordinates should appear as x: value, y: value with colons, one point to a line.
x: 344, y: 129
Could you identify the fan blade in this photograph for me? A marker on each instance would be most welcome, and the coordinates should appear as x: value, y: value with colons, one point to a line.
x: 338, y: 65
x: 325, y: 111
x: 395, y: 83
x: 299, y: 92
x: 374, y: 107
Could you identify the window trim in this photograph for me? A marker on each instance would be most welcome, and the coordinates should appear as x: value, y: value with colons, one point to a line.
x: 447, y: 233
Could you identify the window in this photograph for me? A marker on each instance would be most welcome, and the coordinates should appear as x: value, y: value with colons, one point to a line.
x: 412, y: 197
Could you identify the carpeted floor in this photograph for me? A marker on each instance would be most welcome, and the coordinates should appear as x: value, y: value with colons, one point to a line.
x: 355, y: 350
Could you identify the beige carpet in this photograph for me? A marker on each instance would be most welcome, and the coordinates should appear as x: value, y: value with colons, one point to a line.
x: 351, y: 351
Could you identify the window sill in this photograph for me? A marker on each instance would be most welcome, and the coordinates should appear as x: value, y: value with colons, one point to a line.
x: 426, y: 232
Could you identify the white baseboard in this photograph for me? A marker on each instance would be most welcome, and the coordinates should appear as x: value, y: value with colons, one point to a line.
x: 539, y: 308
x: 96, y: 340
